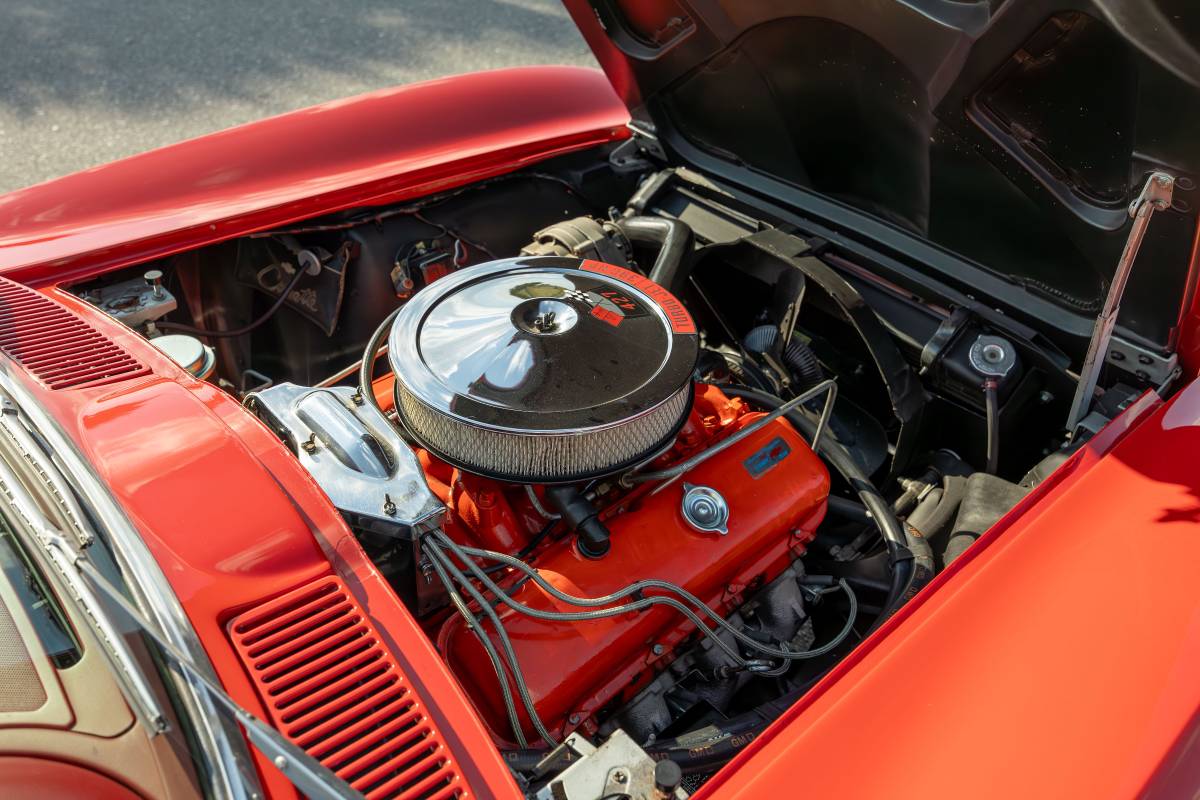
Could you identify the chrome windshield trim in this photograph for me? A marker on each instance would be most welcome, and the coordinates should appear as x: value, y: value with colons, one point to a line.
x: 227, y: 757
x: 34, y: 523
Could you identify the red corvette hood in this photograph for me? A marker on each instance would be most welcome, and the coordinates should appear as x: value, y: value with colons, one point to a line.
x: 366, y: 149
x: 956, y: 122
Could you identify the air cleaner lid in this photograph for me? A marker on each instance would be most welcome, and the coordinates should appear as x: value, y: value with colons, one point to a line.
x: 544, y: 344
x: 543, y: 369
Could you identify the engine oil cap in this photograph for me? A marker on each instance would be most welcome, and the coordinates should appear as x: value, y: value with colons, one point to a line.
x: 705, y: 509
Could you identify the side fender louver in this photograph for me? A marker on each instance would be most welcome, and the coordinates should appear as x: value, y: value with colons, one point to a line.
x: 334, y: 690
x: 57, y: 347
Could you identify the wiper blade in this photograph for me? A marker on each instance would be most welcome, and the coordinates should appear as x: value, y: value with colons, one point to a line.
x: 312, y: 778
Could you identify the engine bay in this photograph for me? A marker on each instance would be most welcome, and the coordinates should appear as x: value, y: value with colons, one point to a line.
x: 644, y: 456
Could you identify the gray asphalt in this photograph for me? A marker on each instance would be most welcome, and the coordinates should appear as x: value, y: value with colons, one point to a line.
x: 83, y: 82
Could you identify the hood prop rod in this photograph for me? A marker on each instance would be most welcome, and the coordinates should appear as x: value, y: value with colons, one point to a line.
x: 1155, y: 196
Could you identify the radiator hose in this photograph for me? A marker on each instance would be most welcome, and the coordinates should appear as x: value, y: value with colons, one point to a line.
x: 797, y: 355
x: 674, y: 239
x: 992, y: 405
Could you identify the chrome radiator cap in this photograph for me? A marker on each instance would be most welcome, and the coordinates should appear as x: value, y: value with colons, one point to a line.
x: 543, y: 369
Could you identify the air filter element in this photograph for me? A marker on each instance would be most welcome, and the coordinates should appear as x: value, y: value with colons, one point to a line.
x: 543, y: 370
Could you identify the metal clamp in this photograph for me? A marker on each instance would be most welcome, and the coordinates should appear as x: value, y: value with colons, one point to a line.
x: 1147, y: 365
x: 617, y: 768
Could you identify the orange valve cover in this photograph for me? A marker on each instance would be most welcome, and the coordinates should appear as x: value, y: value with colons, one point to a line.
x: 776, y: 490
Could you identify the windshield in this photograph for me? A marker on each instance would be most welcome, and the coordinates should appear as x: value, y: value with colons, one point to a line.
x: 92, y: 686
x: 178, y: 733
x: 49, y: 619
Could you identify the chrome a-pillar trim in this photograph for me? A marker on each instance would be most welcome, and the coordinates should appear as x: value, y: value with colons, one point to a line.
x: 227, y: 758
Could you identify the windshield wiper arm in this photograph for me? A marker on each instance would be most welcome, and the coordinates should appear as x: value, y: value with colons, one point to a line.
x: 312, y: 778
x: 84, y: 581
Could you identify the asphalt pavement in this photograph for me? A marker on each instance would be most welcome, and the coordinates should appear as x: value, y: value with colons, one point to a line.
x: 84, y: 82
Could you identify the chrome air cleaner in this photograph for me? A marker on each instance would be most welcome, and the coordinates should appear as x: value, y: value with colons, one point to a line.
x: 543, y: 369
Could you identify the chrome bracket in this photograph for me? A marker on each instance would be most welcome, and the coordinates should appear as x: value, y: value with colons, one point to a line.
x: 1147, y: 365
x: 1155, y: 196
x: 639, y: 152
x: 354, y: 454
x: 617, y: 768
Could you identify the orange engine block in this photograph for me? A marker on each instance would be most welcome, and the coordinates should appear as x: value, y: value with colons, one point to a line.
x: 776, y: 490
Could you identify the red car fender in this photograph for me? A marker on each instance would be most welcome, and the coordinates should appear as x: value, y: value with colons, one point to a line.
x: 234, y: 520
x: 1056, y: 658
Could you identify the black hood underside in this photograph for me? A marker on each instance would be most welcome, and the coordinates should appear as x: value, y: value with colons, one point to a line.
x: 1013, y: 133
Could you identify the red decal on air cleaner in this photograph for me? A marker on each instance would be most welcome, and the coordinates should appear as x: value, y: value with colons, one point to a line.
x: 604, y: 315
x: 619, y: 300
x: 681, y: 320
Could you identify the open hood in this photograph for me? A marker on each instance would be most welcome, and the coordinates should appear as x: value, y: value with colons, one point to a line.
x: 1013, y: 133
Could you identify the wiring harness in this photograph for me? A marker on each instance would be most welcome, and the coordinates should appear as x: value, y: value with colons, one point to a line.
x: 457, y: 568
